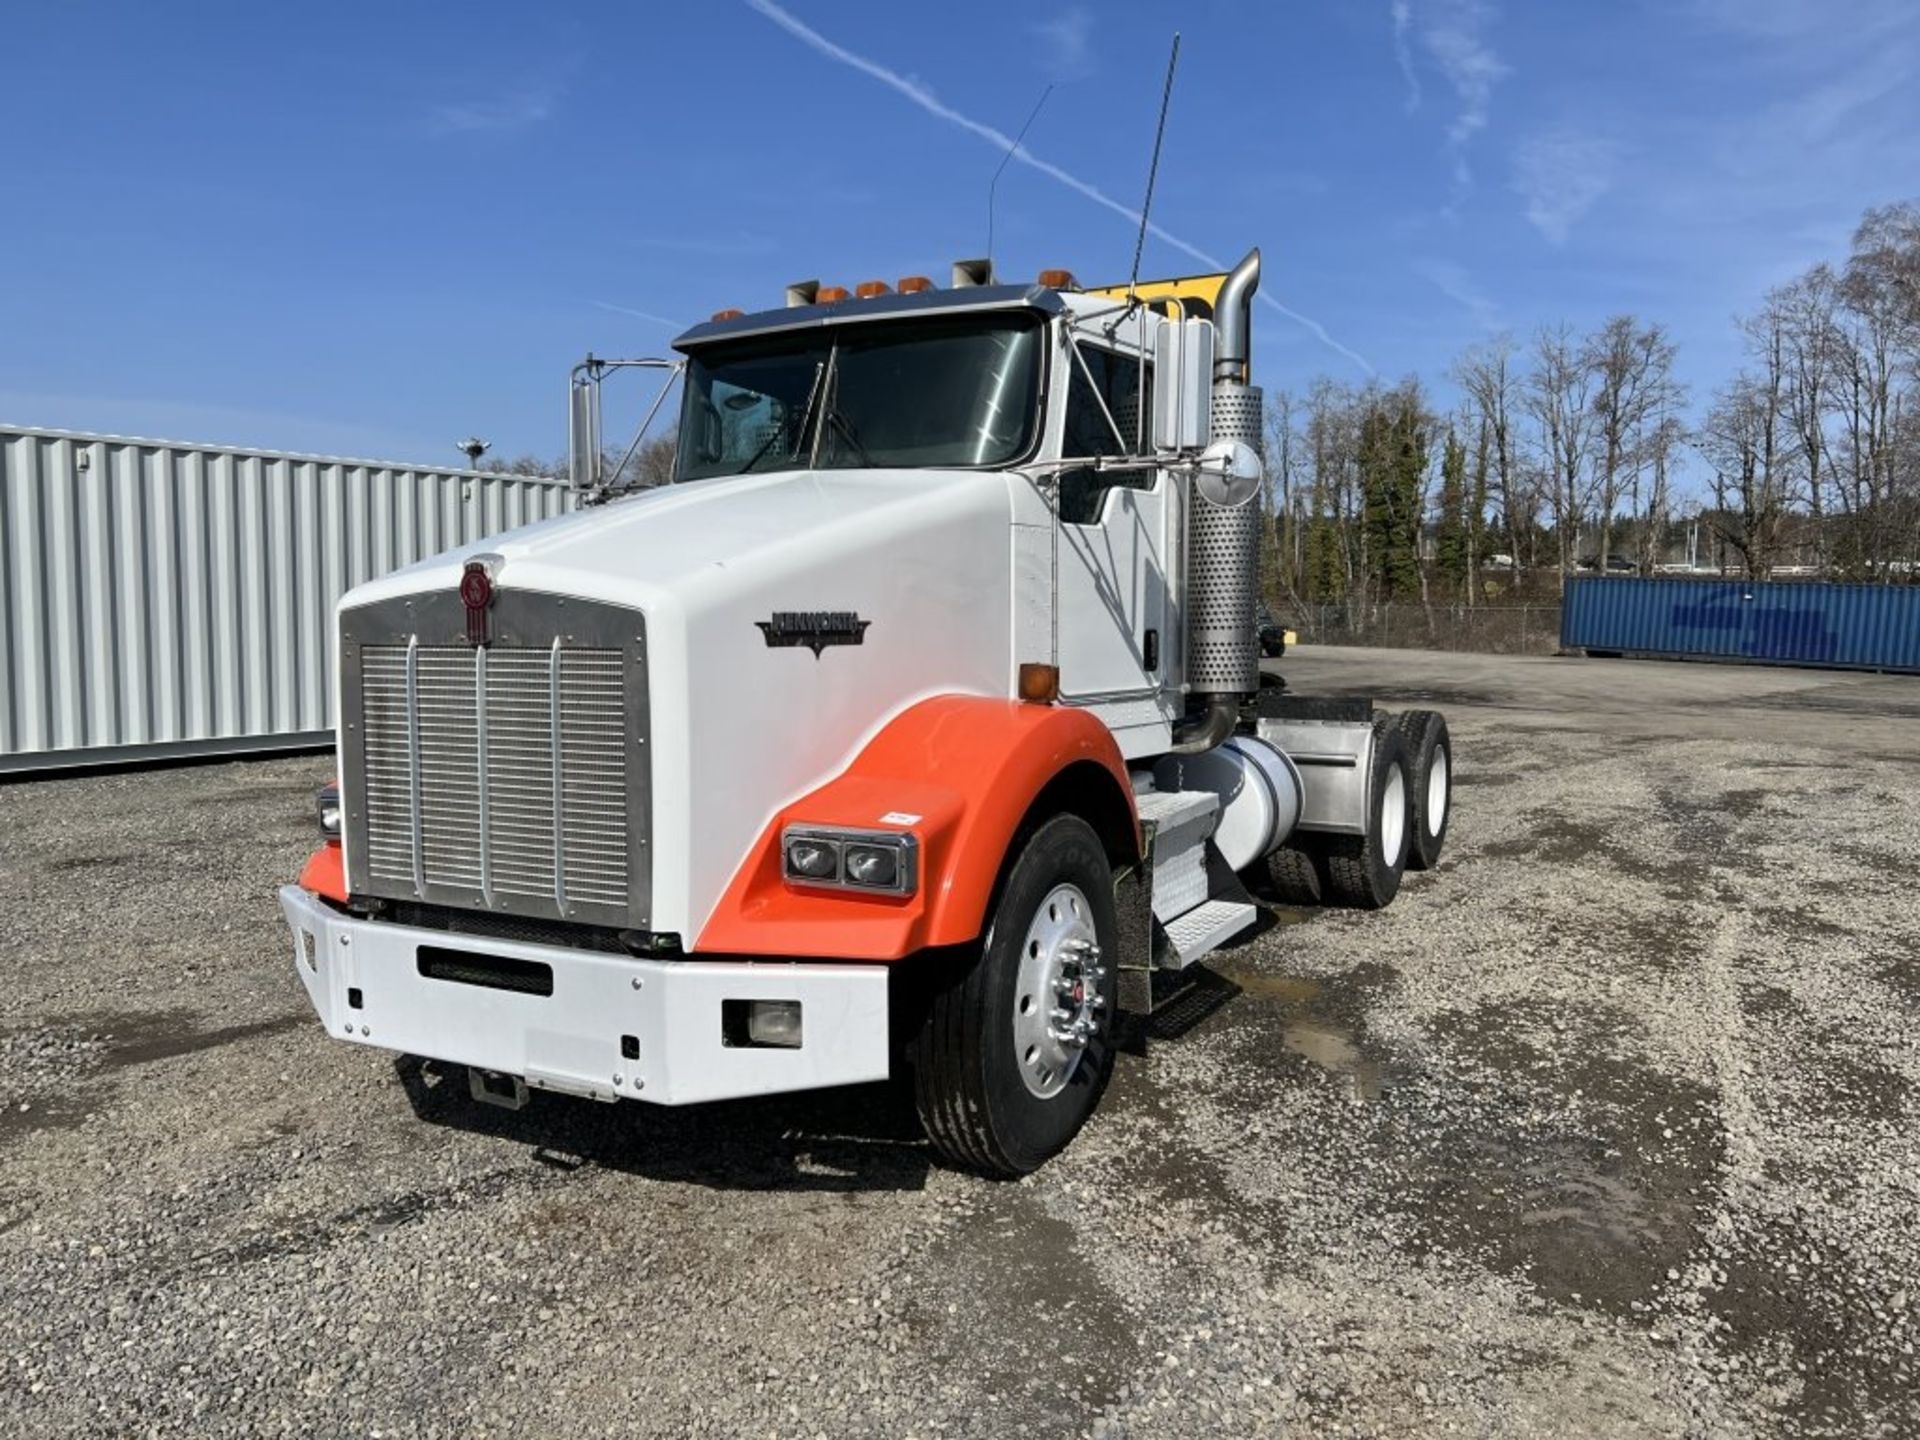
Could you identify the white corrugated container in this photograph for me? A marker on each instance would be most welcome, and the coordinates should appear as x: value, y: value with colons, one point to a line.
x: 162, y: 599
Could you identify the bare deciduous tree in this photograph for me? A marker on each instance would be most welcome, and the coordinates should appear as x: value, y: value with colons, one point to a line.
x: 1485, y: 373
x: 1558, y: 395
x: 1632, y: 379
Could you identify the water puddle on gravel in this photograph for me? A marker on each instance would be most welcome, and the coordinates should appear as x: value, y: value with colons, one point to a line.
x: 117, y: 1040
x: 1307, y: 1030
x: 164, y: 1036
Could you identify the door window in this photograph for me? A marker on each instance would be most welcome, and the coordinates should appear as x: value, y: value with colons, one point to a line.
x: 1118, y: 378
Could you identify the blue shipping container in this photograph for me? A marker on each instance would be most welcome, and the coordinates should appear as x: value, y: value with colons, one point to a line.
x: 1874, y: 627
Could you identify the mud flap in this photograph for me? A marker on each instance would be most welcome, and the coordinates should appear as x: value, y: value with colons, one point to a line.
x: 1133, y: 907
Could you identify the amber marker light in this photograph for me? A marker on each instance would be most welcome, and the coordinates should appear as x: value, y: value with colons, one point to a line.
x: 1039, y: 684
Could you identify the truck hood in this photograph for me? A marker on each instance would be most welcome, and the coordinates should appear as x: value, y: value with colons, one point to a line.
x: 739, y: 726
x: 669, y: 540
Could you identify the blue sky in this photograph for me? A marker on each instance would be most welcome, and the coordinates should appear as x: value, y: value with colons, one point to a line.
x: 373, y: 230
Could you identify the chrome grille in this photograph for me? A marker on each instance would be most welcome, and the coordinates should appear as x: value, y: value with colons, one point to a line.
x: 507, y: 777
x: 537, y: 810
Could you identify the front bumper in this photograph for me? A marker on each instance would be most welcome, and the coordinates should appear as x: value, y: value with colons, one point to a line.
x: 612, y: 1027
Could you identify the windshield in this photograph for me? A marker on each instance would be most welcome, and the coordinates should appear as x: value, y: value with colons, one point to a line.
x: 956, y: 391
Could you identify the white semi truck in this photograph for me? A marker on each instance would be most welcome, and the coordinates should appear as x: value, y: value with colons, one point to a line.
x: 911, y: 730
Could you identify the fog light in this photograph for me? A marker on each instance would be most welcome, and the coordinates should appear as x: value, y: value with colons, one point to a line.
x: 872, y: 865
x: 774, y: 1022
x: 327, y: 802
x: 813, y: 859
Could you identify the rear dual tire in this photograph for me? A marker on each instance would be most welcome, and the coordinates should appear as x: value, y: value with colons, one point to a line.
x: 1430, y: 758
x: 1362, y: 872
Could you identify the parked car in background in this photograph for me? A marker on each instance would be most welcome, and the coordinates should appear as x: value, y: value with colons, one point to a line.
x: 1616, y: 565
x: 1271, y: 634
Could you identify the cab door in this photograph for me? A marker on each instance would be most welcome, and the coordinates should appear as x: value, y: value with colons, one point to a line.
x: 1113, y: 577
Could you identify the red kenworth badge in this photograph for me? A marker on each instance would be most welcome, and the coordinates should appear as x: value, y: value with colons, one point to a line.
x: 476, y: 593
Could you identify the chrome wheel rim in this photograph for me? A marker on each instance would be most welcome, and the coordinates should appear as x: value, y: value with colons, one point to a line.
x: 1438, y: 791
x: 1057, y: 1002
x: 1393, y: 816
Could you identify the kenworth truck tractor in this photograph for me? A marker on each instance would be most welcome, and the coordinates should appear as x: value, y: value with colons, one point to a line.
x: 915, y: 729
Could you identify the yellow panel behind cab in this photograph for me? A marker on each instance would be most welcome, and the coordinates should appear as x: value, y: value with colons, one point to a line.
x: 1195, y: 294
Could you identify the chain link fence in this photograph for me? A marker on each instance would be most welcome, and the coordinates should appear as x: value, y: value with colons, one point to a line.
x: 1529, y: 629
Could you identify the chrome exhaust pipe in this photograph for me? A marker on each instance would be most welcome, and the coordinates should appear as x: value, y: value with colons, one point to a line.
x: 1223, y: 545
x: 1233, y: 322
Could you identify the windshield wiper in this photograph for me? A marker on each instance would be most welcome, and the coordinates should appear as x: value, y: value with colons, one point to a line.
x: 845, y: 427
x: 806, y: 420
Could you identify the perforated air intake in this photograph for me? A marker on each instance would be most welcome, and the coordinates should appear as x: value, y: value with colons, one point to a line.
x: 1223, y: 551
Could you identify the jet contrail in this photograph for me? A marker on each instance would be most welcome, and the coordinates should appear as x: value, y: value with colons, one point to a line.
x: 638, y: 314
x: 1004, y: 143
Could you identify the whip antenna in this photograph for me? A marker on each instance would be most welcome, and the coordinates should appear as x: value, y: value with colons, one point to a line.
x: 1004, y: 159
x: 1153, y: 170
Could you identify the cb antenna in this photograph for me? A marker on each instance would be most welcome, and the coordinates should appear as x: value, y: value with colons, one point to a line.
x: 1153, y: 170
x: 1012, y: 150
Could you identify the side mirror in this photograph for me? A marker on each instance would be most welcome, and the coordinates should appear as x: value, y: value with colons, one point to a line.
x: 1228, y: 474
x: 1183, y: 385
x: 583, y: 431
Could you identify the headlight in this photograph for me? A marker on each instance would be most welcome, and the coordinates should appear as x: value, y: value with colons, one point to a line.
x: 884, y: 862
x: 877, y: 865
x: 327, y: 802
x: 813, y: 859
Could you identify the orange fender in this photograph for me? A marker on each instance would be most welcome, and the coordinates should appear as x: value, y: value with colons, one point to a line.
x: 325, y: 873
x: 967, y: 768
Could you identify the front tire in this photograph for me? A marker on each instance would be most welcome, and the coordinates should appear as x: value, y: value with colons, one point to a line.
x: 1017, y: 1044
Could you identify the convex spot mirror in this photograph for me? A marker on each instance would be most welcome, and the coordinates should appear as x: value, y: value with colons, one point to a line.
x: 1228, y: 473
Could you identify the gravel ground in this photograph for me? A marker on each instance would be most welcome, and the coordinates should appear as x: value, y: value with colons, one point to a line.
x: 1606, y: 1127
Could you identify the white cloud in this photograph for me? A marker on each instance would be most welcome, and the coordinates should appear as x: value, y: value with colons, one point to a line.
x: 1070, y: 35
x: 1450, y: 37
x: 1453, y: 281
x: 922, y: 96
x: 476, y: 117
x: 1455, y: 36
x: 1562, y: 175
x: 1402, y: 11
x: 1819, y: 22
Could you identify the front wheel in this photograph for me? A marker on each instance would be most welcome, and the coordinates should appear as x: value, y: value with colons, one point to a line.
x: 1017, y: 1043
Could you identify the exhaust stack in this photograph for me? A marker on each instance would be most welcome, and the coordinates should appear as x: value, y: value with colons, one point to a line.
x: 969, y: 273
x: 1223, y: 544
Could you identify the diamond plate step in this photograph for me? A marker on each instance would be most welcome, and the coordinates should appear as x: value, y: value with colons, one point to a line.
x: 1177, y: 824
x: 1166, y: 809
x: 1202, y: 930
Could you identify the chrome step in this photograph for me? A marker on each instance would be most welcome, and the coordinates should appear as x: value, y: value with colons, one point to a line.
x: 1201, y: 931
x: 1177, y: 824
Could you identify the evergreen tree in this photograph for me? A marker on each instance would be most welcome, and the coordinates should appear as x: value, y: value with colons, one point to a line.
x: 1453, y: 544
x: 1393, y: 461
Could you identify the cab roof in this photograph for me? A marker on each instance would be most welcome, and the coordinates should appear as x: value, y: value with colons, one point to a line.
x: 960, y: 300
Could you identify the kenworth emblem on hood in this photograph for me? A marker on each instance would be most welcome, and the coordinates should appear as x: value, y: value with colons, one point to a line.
x: 815, y: 629
x: 476, y: 594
